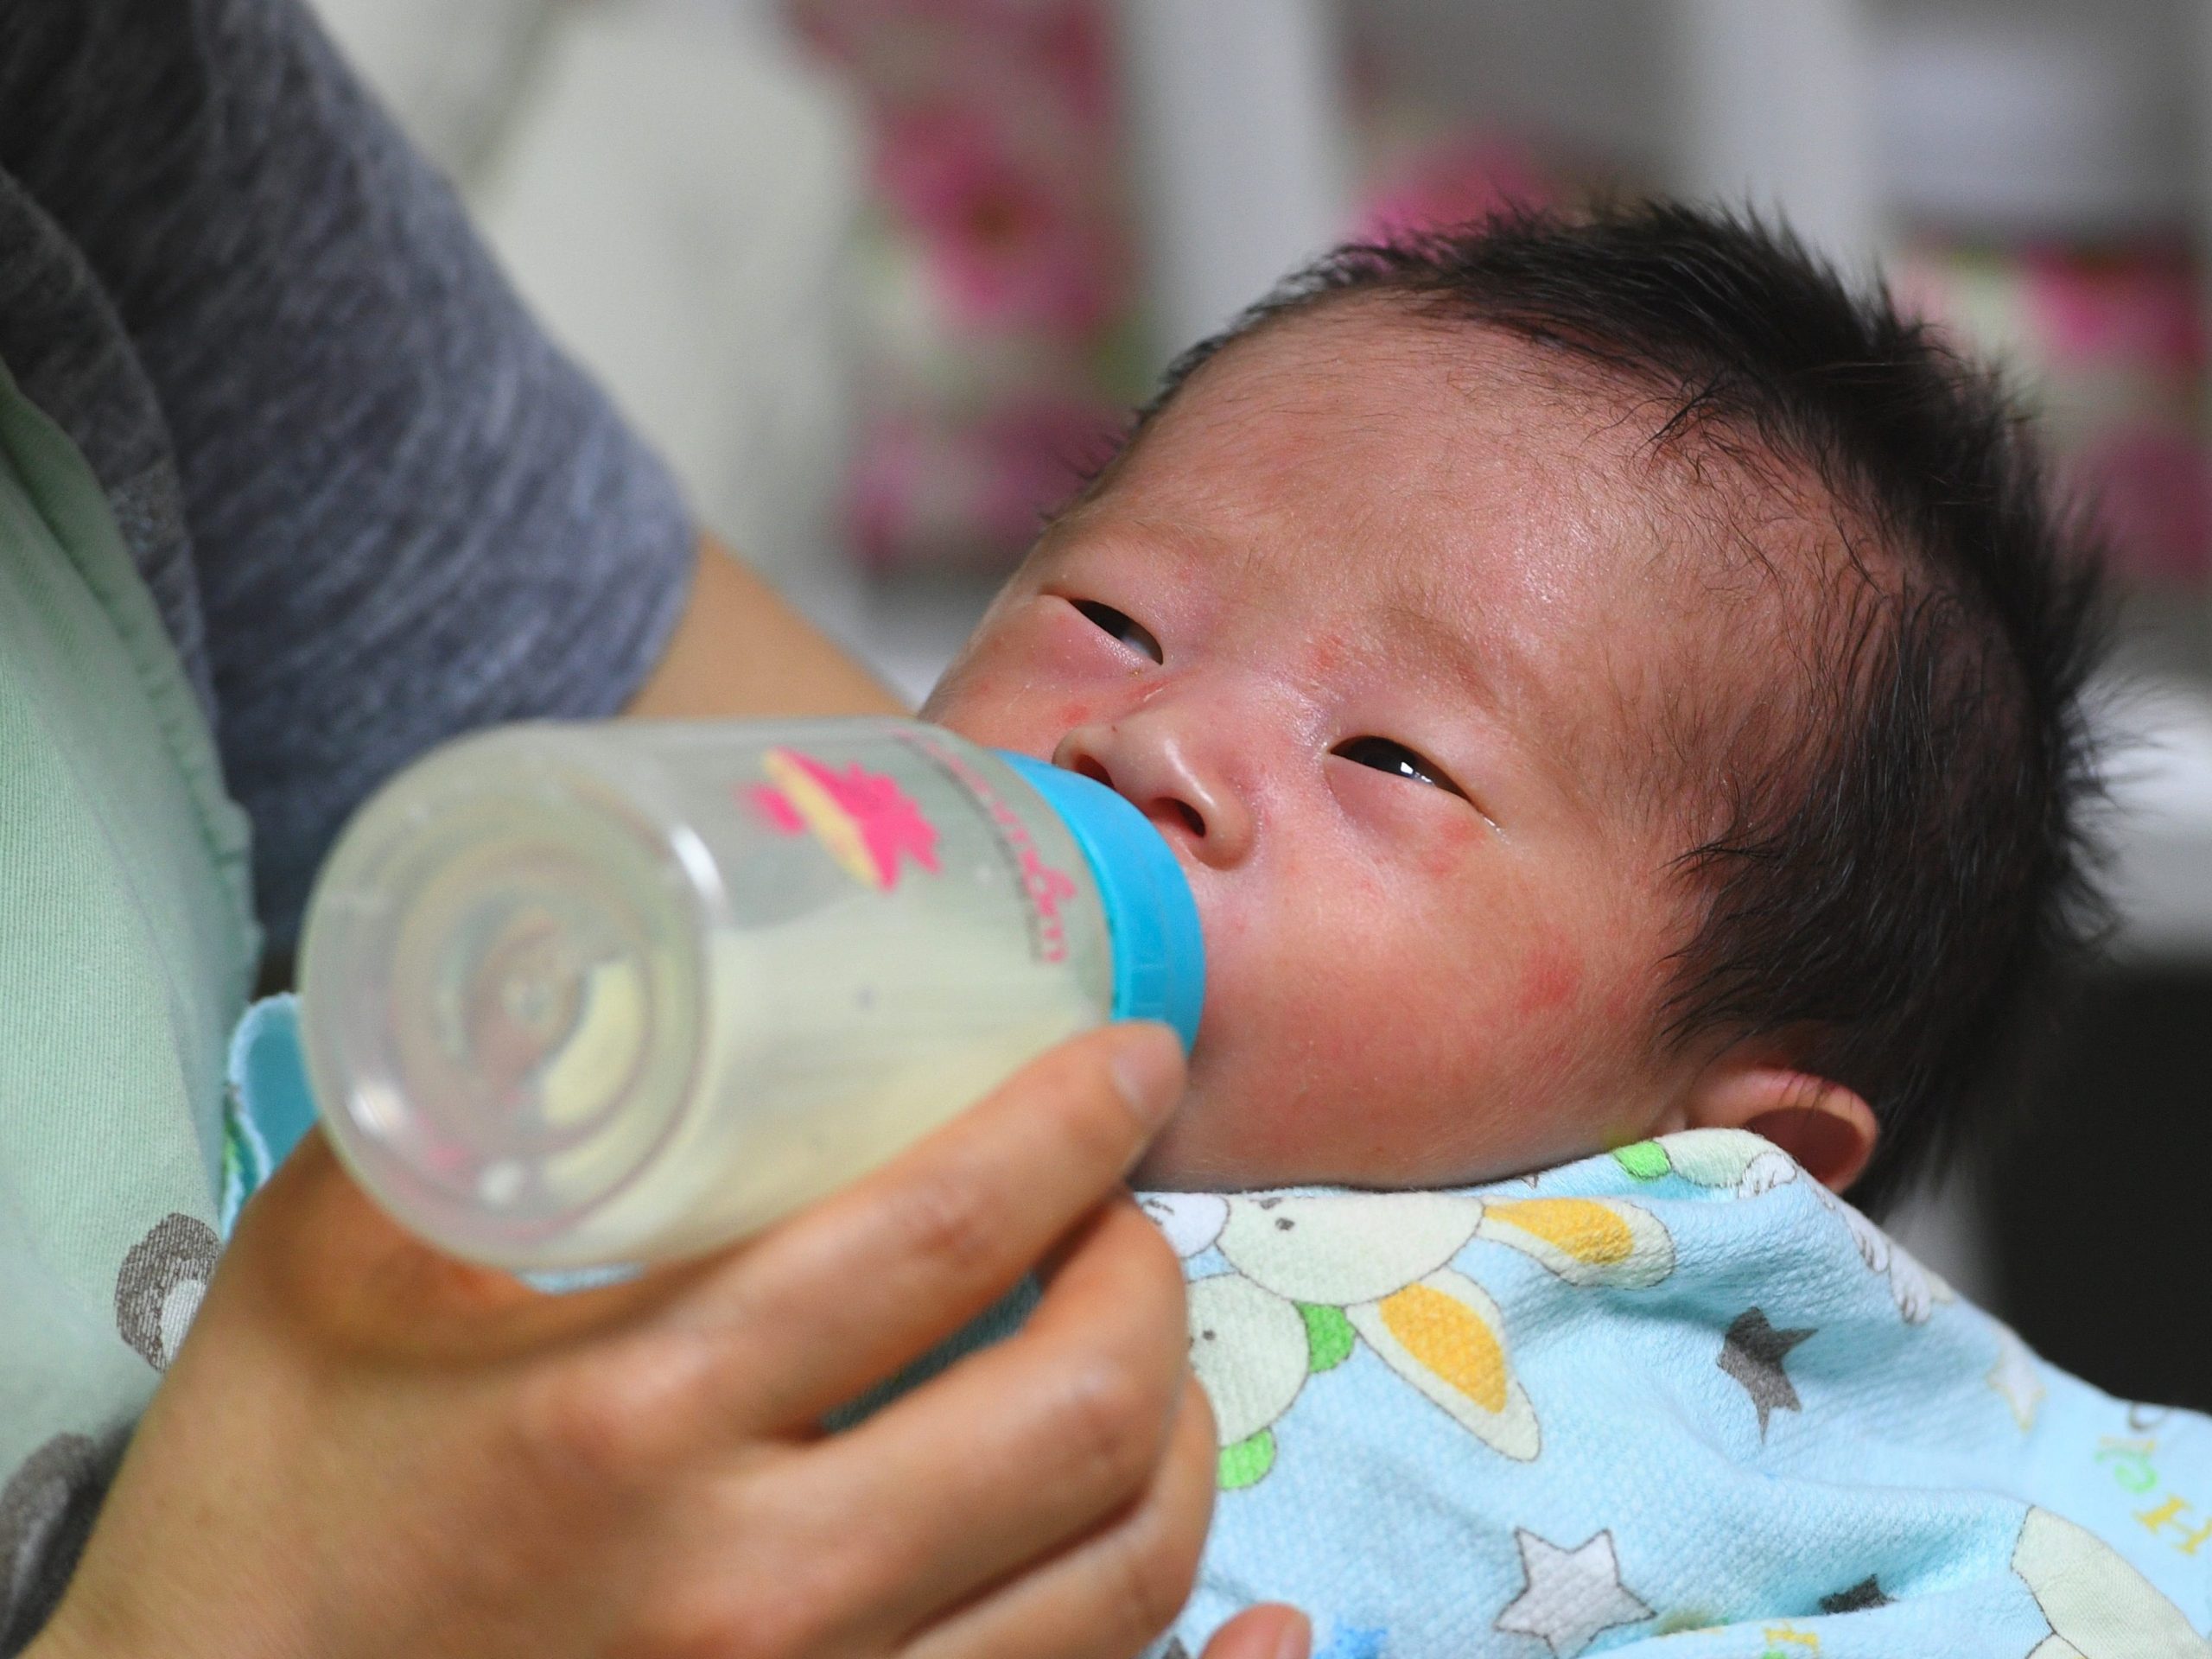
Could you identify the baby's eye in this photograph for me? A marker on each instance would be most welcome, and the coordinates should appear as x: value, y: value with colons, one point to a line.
x: 1121, y: 627
x: 1396, y: 759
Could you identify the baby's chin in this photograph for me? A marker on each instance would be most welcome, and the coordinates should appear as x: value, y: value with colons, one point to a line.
x: 1198, y: 1153
x: 1188, y: 1158
x: 1167, y: 1166
x: 1207, y: 1147
x: 1222, y: 1139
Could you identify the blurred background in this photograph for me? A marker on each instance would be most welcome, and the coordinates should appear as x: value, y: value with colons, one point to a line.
x: 882, y: 278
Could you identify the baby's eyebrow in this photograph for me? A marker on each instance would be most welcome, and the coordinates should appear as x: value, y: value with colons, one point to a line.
x: 1506, y: 685
x: 1084, y: 530
x: 1414, y: 617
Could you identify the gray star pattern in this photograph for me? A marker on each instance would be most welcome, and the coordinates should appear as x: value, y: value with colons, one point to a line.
x: 1753, y: 1354
x: 1569, y: 1596
x: 1865, y: 1594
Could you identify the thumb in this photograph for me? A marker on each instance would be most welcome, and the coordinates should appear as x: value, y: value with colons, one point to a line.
x: 1270, y: 1631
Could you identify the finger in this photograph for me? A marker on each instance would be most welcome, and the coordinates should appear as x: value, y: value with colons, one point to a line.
x: 1270, y: 1631
x: 850, y: 1291
x: 1109, y: 1595
x: 1021, y: 1448
x: 322, y: 1246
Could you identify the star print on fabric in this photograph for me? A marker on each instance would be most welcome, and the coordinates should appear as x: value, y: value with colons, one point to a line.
x: 1753, y: 1354
x: 2015, y: 1377
x: 1866, y: 1593
x: 1572, y: 1596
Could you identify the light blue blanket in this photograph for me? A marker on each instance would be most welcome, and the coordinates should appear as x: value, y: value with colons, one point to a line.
x: 1677, y: 1399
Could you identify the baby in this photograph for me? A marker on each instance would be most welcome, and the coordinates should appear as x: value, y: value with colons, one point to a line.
x: 1600, y: 680
x: 1616, y: 698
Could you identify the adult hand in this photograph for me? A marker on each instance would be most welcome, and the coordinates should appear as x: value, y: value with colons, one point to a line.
x: 367, y: 1448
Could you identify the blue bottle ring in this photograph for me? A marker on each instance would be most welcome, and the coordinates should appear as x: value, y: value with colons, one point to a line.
x: 1160, y: 950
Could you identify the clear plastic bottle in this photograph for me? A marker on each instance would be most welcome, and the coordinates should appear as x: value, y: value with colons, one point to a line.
x: 581, y: 995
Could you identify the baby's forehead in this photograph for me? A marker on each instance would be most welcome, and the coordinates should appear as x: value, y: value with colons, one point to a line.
x: 1375, y: 412
x: 1369, y: 393
x: 1433, y: 451
x: 1641, y: 573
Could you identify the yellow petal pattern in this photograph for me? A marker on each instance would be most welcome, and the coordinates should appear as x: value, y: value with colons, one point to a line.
x: 1445, y: 1337
x: 1449, y: 1340
x: 1585, y: 1241
x: 1588, y: 1232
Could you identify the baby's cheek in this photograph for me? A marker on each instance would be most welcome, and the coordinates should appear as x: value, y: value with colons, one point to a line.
x: 1390, y: 1065
x: 1552, y: 980
x: 984, y: 708
x: 1282, y: 1062
x: 1446, y: 857
x: 1028, y: 708
x: 952, y: 699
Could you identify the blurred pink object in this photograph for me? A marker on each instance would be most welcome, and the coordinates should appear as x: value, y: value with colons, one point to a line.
x: 999, y: 276
x: 2110, y: 346
x: 2142, y: 308
x: 1458, y: 180
x: 935, y: 492
x: 2153, y: 492
x: 1010, y: 245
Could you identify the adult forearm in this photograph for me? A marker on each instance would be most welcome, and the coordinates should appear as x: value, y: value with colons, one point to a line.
x: 742, y: 648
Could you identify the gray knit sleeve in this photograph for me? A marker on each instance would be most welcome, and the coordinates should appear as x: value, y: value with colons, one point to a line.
x: 409, y: 515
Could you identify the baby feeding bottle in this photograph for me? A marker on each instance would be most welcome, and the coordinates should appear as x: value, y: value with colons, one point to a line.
x: 580, y: 994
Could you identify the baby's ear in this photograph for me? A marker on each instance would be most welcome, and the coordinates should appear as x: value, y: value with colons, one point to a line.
x: 1826, y: 1126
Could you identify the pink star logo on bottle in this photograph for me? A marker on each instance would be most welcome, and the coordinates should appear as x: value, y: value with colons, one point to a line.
x: 867, y: 822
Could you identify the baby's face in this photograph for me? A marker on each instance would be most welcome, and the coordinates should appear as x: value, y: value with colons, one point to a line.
x: 1369, y: 637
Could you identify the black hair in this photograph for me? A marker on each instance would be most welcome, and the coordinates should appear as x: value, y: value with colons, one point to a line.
x: 1895, y: 870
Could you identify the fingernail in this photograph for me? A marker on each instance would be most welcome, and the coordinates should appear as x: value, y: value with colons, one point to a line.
x: 1295, y: 1639
x: 1149, y: 1071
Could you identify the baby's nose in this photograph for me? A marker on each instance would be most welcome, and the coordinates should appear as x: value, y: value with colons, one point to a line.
x: 1153, y: 765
